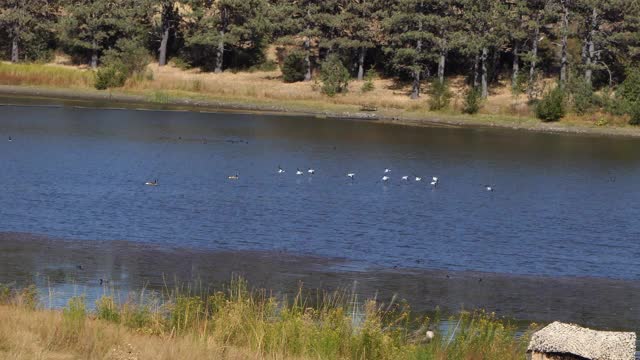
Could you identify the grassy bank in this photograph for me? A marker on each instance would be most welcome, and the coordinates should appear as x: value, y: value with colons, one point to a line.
x: 236, y: 323
x: 265, y: 91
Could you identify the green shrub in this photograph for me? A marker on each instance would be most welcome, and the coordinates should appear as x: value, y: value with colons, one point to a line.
x: 294, y: 67
x: 368, y: 81
x: 110, y: 76
x: 107, y: 309
x: 634, y: 113
x: 629, y: 90
x: 74, y: 315
x: 334, y: 76
x: 472, y: 101
x: 551, y: 107
x: 582, y: 97
x: 439, y: 95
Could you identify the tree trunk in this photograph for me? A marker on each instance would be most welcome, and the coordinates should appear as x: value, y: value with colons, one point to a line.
x: 15, y: 50
x: 94, y: 54
x: 415, y: 93
x: 534, y: 60
x: 220, y: 53
x: 516, y: 65
x: 591, y: 47
x: 476, y: 65
x: 162, y: 59
x: 485, y: 86
x: 307, y: 59
x: 441, y: 65
x: 565, y: 35
x: 363, y: 53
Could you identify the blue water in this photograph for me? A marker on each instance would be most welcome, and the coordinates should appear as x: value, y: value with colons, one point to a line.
x: 563, y: 205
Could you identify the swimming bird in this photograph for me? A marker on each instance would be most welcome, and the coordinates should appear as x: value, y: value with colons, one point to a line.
x: 489, y: 188
x: 311, y: 171
x: 418, y: 178
x: 387, y: 170
x: 10, y: 139
x: 434, y: 181
x: 385, y: 178
x: 280, y: 170
x: 299, y: 172
x: 234, y: 177
x: 152, y: 183
x: 405, y: 178
x: 435, y: 178
x: 351, y: 176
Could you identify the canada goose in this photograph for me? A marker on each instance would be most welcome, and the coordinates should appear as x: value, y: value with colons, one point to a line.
x: 299, y: 172
x: 280, y: 170
x: 311, y: 171
x: 351, y: 176
x: 10, y: 139
x: 152, y: 183
x: 234, y: 177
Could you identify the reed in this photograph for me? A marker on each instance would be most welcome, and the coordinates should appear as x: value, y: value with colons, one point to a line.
x: 256, y: 324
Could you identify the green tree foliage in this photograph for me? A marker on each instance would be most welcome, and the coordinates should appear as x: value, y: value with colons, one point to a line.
x: 551, y: 107
x: 368, y: 85
x: 28, y: 25
x: 225, y: 26
x: 581, y: 94
x: 294, y: 67
x: 90, y: 27
x: 334, y: 76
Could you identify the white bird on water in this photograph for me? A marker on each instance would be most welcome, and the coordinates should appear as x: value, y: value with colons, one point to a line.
x: 280, y: 170
x: 152, y: 183
x: 385, y: 178
x: 405, y: 178
x: 489, y: 188
x: 234, y: 177
x: 311, y: 171
x: 351, y: 176
x: 387, y: 170
x: 434, y: 181
x: 418, y: 178
x: 299, y: 172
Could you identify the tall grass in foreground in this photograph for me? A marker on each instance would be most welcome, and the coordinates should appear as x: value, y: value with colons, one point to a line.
x: 268, y: 327
x: 42, y: 75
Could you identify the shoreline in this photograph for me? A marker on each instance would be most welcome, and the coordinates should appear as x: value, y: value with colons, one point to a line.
x: 97, y: 99
x: 590, y: 301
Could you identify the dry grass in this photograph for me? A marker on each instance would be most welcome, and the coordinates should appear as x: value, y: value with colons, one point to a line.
x: 239, y: 324
x: 45, y: 75
x: 32, y: 335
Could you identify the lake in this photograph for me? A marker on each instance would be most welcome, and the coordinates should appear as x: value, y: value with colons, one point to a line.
x: 564, y: 208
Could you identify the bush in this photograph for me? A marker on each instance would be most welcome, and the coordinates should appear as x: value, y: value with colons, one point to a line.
x: 472, y: 101
x: 629, y: 90
x: 551, y: 107
x: 582, y: 96
x: 334, y: 76
x: 267, y: 65
x: 439, y: 95
x: 634, y: 112
x: 368, y: 81
x: 110, y: 76
x: 294, y: 67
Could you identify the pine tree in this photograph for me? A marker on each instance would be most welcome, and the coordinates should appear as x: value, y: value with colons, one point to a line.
x: 23, y: 19
x: 406, y: 24
x: 169, y: 19
x: 94, y: 26
x: 228, y: 25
